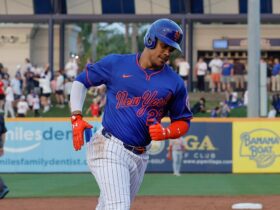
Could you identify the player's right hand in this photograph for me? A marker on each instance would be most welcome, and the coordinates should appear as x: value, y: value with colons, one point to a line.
x: 78, y: 127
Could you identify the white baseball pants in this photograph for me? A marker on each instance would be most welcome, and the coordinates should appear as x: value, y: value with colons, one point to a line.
x: 118, y: 172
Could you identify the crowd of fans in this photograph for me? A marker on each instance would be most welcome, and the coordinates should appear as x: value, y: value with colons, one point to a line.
x: 31, y: 87
x: 228, y: 77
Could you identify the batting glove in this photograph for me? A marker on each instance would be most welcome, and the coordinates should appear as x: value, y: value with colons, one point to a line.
x: 158, y: 133
x: 78, y: 127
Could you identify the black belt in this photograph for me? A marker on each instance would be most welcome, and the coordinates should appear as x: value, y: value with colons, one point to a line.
x: 136, y: 150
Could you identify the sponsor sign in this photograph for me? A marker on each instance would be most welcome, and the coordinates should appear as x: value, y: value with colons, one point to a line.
x: 207, y: 149
x: 256, y: 147
x: 41, y: 147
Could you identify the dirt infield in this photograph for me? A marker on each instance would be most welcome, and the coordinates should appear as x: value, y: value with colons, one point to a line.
x: 141, y: 203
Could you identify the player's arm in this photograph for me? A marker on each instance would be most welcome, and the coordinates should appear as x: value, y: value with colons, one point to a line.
x: 77, y: 98
x: 175, y: 130
x: 180, y: 115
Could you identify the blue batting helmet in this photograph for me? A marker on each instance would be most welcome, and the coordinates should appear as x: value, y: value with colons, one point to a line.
x: 166, y: 31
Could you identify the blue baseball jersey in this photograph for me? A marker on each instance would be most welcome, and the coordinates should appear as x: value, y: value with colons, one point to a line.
x: 136, y: 96
x: 226, y: 69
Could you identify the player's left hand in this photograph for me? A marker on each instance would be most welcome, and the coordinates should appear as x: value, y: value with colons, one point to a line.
x: 157, y: 132
x: 78, y: 127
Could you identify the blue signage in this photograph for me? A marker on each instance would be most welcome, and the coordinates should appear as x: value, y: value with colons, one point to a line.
x: 208, y: 148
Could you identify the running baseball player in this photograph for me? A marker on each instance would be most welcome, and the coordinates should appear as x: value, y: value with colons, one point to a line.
x: 141, y: 90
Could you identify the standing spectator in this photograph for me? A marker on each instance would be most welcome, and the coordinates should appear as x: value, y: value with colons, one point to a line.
x: 71, y: 67
x: 22, y: 107
x: 239, y: 72
x: 269, y: 73
x: 36, y: 105
x: 27, y: 66
x: 67, y: 88
x: 2, y: 94
x: 1, y: 70
x: 227, y: 73
x: 3, y: 188
x: 16, y: 84
x: 8, y: 108
x: 216, y: 69
x: 59, y: 89
x: 276, y: 102
x: 183, y: 69
x: 45, y: 84
x: 275, y: 78
x: 94, y: 108
x: 200, y: 72
x: 176, y: 151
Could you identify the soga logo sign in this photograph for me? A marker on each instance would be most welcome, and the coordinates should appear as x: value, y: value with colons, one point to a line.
x: 20, y: 140
x: 194, y: 144
x: 260, y: 145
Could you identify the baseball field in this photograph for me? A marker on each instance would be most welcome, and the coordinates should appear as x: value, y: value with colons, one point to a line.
x: 159, y: 191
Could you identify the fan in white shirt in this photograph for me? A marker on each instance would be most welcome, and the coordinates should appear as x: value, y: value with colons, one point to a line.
x: 8, y: 107
x: 22, y: 107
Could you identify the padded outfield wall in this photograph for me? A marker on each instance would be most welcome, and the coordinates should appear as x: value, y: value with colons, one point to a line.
x: 212, y: 145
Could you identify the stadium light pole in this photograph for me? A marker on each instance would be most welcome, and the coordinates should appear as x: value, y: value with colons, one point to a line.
x: 253, y: 109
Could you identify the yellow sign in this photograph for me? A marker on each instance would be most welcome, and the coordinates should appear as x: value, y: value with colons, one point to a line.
x: 256, y: 147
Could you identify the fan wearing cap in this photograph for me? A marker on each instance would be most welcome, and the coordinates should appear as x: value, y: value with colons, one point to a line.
x: 141, y: 90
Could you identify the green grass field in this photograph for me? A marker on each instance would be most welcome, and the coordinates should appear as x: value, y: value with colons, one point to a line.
x: 83, y: 184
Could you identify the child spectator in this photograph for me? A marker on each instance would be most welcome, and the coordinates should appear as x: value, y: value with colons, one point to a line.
x: 36, y: 105
x: 215, y: 112
x: 22, y: 107
x: 94, y: 108
x: 224, y: 109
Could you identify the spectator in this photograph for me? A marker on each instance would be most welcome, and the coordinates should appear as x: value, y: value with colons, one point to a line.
x: 71, y: 67
x: 269, y: 73
x: 215, y: 112
x: 183, y: 69
x: 224, y: 109
x: 59, y: 89
x: 216, y: 69
x: 275, y: 78
x: 239, y: 73
x: 200, y: 106
x: 200, y: 73
x: 44, y: 83
x: 36, y: 105
x: 276, y: 103
x: 2, y: 94
x: 67, y: 88
x: 94, y: 108
x: 27, y: 66
x: 227, y: 73
x: 8, y: 108
x: 22, y: 107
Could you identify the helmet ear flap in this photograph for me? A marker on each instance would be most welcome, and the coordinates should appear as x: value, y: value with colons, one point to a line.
x: 150, y: 40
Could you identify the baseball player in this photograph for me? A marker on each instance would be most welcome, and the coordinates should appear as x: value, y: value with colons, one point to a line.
x: 141, y: 90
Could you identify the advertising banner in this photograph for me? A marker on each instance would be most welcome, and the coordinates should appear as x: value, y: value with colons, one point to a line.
x: 208, y: 148
x: 46, y: 146
x: 40, y: 146
x: 256, y: 147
